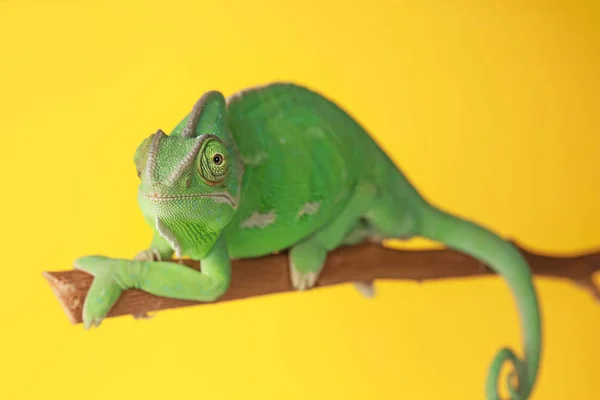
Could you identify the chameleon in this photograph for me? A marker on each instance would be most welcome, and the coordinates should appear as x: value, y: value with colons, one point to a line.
x: 278, y: 167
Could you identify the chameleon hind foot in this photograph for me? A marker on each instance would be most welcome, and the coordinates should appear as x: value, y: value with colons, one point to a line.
x: 306, y: 262
x: 302, y: 281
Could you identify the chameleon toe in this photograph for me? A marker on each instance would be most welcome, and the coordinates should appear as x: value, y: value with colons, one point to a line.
x: 366, y: 289
x: 148, y: 255
x: 302, y: 280
x: 311, y: 279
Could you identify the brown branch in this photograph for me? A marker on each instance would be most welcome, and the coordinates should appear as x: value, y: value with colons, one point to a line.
x: 364, y: 263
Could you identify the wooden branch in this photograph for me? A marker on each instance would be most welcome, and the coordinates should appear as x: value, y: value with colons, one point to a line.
x: 363, y: 263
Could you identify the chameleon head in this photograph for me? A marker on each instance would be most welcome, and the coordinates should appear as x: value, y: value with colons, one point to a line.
x: 192, y: 176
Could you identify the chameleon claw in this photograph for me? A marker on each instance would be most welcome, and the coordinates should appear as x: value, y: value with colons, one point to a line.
x: 378, y: 239
x: 148, y: 255
x: 364, y: 288
x: 91, y: 323
x: 143, y: 315
x: 295, y: 275
x: 311, y: 279
x: 302, y: 280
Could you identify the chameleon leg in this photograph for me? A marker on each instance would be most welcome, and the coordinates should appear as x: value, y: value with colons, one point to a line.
x: 391, y: 218
x: 361, y: 232
x: 161, y: 278
x: 308, y: 257
x: 381, y: 221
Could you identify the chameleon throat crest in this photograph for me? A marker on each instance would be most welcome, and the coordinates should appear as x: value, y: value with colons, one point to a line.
x: 169, y: 236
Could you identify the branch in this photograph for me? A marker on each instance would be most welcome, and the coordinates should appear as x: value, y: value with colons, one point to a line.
x: 363, y: 263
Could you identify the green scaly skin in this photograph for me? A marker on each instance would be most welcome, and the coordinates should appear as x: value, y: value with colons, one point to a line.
x: 281, y: 167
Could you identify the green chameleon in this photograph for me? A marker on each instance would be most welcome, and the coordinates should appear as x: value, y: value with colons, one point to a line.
x: 281, y: 167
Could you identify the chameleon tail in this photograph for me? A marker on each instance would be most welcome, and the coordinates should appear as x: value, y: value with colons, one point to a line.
x: 506, y: 260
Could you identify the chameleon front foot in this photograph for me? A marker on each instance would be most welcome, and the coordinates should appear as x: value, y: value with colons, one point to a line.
x: 104, y: 291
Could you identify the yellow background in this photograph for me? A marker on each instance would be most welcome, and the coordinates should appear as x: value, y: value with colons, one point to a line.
x: 491, y: 108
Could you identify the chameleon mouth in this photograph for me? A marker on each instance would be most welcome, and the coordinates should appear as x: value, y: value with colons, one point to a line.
x: 219, y: 197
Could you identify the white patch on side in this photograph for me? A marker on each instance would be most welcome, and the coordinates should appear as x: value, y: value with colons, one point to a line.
x: 259, y: 220
x: 309, y: 209
x: 169, y: 236
x: 256, y: 159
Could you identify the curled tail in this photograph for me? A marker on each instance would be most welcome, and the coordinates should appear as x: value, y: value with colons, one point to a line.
x: 502, y: 257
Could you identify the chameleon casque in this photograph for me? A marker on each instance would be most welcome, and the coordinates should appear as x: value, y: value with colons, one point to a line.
x: 282, y: 167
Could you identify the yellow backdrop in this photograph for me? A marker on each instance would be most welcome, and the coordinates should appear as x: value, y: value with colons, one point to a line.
x: 492, y: 111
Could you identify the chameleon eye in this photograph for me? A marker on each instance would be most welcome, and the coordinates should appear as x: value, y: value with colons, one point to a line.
x: 213, y: 163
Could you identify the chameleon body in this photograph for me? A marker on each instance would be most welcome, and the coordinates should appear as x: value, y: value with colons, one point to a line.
x: 282, y: 167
